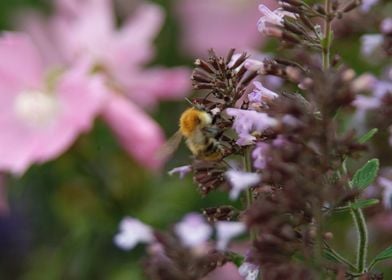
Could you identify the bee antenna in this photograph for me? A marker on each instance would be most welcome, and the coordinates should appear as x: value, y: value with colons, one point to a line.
x: 190, y: 102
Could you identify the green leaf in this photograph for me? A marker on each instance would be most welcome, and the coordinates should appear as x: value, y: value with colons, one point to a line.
x: 235, y: 258
x: 362, y: 203
x: 382, y: 256
x: 367, y: 136
x: 365, y: 175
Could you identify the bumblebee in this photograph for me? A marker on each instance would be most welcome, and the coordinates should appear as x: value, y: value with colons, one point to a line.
x: 196, y: 126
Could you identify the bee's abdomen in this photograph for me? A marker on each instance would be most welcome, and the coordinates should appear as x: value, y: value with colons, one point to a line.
x: 212, y: 150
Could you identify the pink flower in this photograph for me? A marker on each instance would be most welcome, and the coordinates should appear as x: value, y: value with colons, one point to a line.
x: 137, y: 133
x: 218, y: 24
x: 193, y: 230
x: 87, y: 29
x: 132, y: 232
x: 241, y: 181
x: 43, y: 112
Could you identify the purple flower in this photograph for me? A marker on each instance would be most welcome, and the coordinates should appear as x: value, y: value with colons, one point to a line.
x: 386, y: 25
x: 249, y: 271
x: 261, y: 94
x: 387, y: 193
x: 258, y: 155
x: 254, y: 65
x: 364, y: 82
x: 240, y: 181
x: 181, y: 170
x: 370, y: 42
x: 132, y: 232
x: 193, y: 230
x: 226, y: 231
x: 248, y: 122
x: 272, y: 17
x: 367, y: 5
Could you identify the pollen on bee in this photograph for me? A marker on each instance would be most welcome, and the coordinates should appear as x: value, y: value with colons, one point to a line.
x: 189, y: 121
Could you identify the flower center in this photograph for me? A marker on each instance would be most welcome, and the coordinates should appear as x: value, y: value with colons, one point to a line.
x: 35, y: 108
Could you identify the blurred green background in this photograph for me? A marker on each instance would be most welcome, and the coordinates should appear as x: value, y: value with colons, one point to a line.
x: 64, y: 214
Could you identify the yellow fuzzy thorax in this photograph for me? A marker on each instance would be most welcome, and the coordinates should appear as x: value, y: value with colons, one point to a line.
x: 193, y: 119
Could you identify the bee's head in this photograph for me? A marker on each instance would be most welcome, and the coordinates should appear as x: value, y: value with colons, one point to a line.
x: 193, y: 119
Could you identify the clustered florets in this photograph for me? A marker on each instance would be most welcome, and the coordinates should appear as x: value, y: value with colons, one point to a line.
x: 291, y: 149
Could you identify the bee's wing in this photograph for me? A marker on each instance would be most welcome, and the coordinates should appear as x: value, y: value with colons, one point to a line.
x: 170, y: 146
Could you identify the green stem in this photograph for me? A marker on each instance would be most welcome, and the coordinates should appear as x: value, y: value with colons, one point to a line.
x: 326, y: 45
x: 249, y: 193
x: 360, y: 225
x: 339, y: 257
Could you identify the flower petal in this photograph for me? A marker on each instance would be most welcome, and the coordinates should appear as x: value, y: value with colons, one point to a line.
x: 140, y: 136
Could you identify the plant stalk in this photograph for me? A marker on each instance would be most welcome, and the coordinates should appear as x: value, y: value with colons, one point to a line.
x: 360, y: 224
x: 326, y: 44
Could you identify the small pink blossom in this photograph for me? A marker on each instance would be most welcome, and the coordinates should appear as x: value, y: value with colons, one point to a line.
x: 193, y: 230
x: 241, y: 181
x: 132, y: 232
x: 181, y: 170
x: 38, y: 105
x: 226, y: 231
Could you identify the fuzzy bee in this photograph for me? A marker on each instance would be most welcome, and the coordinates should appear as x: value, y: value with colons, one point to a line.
x: 196, y: 126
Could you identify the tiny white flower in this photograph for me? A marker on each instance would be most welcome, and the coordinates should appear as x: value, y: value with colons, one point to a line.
x: 226, y: 231
x: 249, y: 271
x: 181, y: 170
x: 387, y: 193
x: 193, y: 230
x: 240, y: 181
x: 132, y: 232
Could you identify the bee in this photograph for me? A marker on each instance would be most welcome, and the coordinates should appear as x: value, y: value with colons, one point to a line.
x: 196, y: 126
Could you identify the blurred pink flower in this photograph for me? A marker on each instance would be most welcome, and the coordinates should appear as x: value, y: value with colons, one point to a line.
x: 136, y: 131
x: 42, y: 112
x: 87, y: 29
x: 219, y: 24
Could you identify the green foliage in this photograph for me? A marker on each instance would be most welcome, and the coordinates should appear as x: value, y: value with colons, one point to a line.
x: 366, y: 175
x: 367, y: 136
x: 382, y: 256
